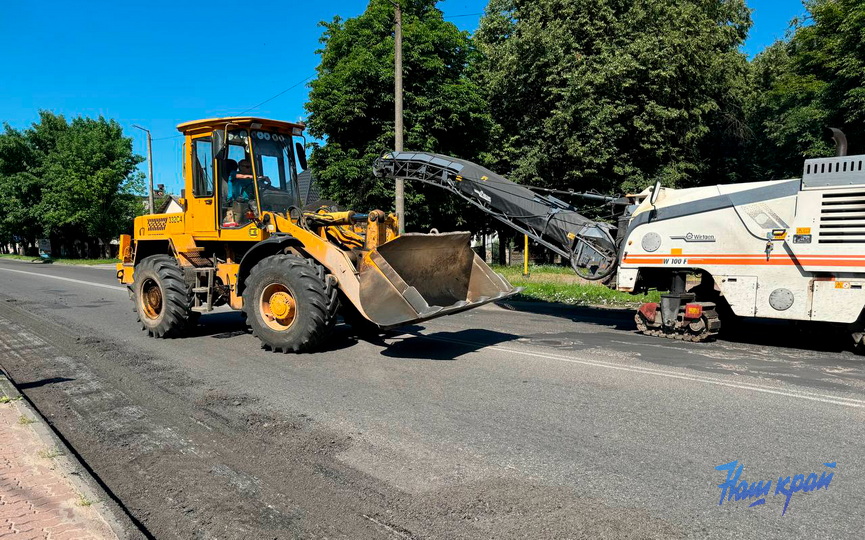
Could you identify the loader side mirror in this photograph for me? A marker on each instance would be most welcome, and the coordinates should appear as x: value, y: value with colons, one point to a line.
x: 301, y: 155
x: 656, y: 192
x: 218, y: 143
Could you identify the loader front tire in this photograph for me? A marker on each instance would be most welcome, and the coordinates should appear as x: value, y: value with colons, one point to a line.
x: 162, y: 298
x: 290, y: 303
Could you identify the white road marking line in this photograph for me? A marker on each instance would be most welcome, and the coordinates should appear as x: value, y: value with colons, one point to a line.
x: 656, y: 345
x: 112, y: 287
x: 822, y: 398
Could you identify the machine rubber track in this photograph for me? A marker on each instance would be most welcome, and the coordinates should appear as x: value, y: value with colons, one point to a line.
x: 711, y: 325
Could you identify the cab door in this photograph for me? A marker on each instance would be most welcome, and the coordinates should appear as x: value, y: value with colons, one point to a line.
x: 202, y: 204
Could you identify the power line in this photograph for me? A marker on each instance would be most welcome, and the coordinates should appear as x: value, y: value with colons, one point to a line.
x: 463, y: 15
x: 295, y: 85
x: 271, y: 98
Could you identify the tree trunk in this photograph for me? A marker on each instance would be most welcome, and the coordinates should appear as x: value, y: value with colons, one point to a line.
x: 503, y: 249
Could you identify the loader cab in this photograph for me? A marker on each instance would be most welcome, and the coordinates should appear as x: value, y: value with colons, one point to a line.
x: 238, y: 169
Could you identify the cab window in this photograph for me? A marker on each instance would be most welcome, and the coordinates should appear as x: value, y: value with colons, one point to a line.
x: 275, y: 170
x: 202, y: 168
x: 237, y: 197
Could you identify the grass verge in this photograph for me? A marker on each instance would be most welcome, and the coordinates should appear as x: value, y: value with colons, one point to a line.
x: 84, y: 262
x: 561, y: 284
x: 49, y: 453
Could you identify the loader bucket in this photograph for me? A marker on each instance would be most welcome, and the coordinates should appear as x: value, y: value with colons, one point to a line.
x: 416, y: 277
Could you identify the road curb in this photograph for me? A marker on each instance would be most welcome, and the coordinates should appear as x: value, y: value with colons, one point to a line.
x: 73, y: 470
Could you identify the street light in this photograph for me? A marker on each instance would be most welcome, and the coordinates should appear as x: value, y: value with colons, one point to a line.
x: 149, y: 167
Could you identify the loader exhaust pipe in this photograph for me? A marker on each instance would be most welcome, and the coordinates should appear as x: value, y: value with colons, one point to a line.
x: 840, y: 142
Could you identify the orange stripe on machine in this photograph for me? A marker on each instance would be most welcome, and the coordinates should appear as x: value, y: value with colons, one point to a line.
x: 750, y: 260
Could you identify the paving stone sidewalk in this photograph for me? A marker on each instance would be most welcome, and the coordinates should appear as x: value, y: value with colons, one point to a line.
x: 40, y: 496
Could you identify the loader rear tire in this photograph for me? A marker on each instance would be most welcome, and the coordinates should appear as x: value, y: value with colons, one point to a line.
x: 162, y: 297
x: 290, y: 303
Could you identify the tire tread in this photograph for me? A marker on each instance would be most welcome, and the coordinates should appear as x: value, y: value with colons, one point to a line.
x: 317, y: 315
x: 176, y: 298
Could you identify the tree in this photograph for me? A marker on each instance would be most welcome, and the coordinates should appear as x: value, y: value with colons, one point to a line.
x: 68, y: 180
x: 613, y: 94
x: 813, y: 80
x: 20, y: 188
x: 351, y: 105
x: 91, y: 181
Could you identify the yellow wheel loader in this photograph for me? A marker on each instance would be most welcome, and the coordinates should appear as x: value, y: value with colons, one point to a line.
x: 244, y: 239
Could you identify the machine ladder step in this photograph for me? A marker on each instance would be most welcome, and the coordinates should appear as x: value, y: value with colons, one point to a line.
x: 202, y: 290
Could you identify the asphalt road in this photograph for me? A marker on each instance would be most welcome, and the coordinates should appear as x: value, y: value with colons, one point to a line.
x: 515, y: 421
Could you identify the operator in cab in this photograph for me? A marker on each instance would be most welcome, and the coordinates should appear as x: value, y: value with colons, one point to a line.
x: 241, y: 194
x: 240, y: 182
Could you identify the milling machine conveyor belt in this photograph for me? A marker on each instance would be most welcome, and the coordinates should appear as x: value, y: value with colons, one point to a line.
x: 547, y: 220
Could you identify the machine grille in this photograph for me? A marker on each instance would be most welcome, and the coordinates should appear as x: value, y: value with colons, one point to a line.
x: 833, y: 172
x: 842, y: 218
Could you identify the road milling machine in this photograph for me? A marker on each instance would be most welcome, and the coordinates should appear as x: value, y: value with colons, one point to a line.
x: 245, y: 240
x: 787, y: 249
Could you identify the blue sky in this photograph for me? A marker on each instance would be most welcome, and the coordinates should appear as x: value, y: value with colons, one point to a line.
x: 160, y: 63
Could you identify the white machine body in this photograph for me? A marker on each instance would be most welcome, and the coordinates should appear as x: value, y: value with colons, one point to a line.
x: 786, y: 249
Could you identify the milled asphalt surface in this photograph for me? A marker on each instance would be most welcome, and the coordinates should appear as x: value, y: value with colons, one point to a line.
x: 516, y: 421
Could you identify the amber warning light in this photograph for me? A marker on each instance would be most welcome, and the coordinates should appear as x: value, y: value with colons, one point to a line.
x: 693, y: 311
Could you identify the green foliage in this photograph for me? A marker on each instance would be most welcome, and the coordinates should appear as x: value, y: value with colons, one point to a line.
x: 90, y: 182
x: 20, y: 186
x: 613, y: 94
x: 814, y: 80
x: 68, y: 180
x: 586, y: 94
x: 351, y: 105
x: 560, y: 284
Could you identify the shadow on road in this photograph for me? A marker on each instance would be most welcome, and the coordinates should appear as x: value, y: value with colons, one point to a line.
x: 818, y: 337
x: 229, y: 324
x: 43, y: 382
x: 448, y: 346
x: 618, y: 318
x: 804, y: 335
x: 220, y: 325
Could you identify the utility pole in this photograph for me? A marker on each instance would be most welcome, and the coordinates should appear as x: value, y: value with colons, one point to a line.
x: 397, y: 143
x: 149, y: 168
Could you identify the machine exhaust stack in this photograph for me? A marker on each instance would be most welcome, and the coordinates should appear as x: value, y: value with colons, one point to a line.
x: 840, y: 142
